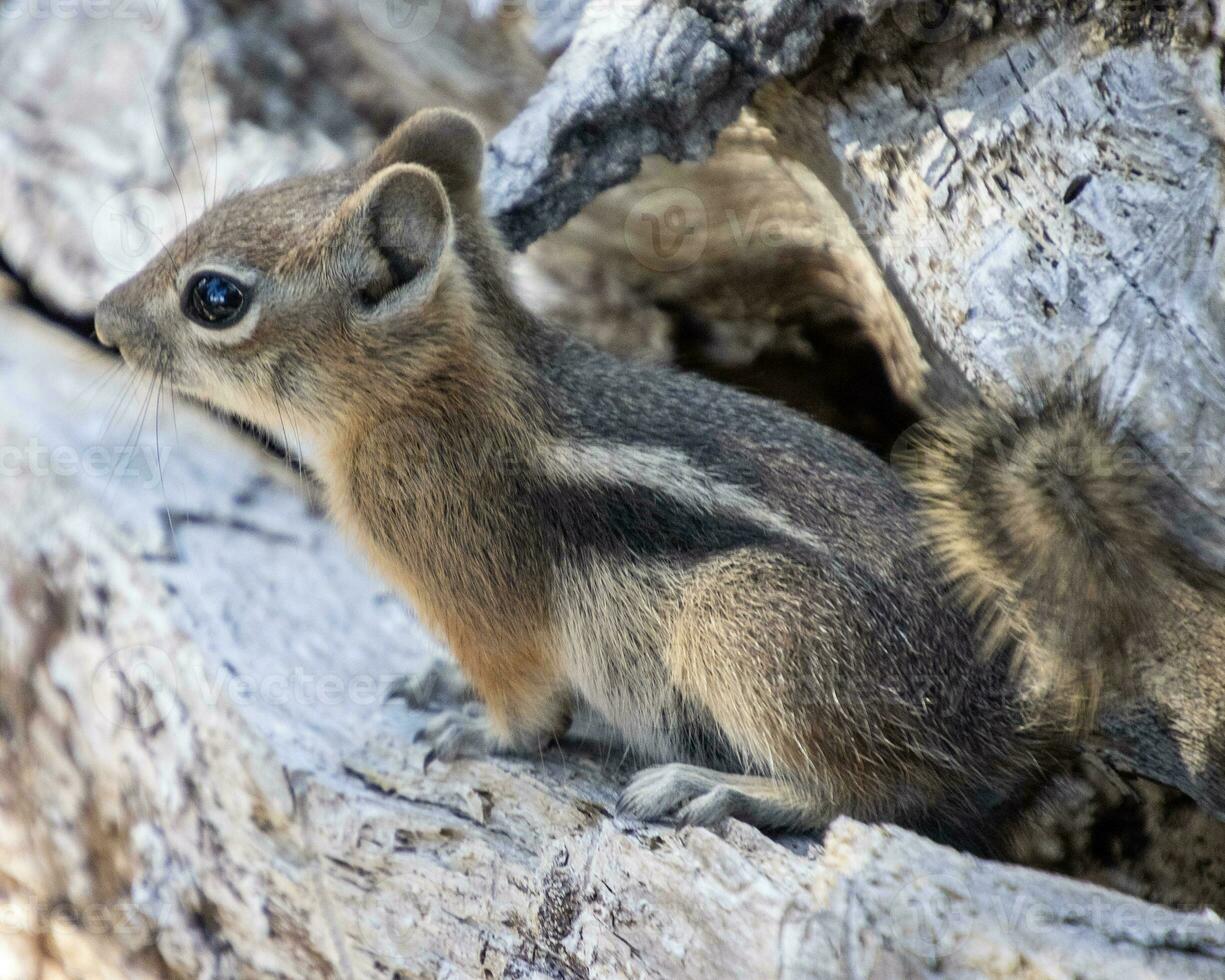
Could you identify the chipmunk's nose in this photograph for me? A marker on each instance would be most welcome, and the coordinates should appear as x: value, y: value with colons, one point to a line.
x: 107, y: 322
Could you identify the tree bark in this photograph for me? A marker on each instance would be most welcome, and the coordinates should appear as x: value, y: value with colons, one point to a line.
x: 198, y: 776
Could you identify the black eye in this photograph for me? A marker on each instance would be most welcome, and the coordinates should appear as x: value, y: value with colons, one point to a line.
x: 214, y: 300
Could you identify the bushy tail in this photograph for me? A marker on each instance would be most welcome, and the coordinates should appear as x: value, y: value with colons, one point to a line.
x: 1057, y: 527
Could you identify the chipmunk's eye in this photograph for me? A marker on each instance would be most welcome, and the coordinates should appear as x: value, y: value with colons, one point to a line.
x: 214, y: 301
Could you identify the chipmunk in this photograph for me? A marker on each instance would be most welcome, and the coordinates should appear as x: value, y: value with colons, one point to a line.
x: 758, y: 606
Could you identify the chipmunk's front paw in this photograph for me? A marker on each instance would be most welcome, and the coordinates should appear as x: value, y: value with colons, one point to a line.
x: 688, y: 794
x: 457, y: 735
x: 442, y: 682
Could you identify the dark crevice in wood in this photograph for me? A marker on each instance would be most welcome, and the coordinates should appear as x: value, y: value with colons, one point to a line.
x: 840, y: 382
x: 26, y: 296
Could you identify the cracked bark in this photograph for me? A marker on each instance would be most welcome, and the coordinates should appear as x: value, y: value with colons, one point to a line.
x: 599, y: 124
x: 176, y: 759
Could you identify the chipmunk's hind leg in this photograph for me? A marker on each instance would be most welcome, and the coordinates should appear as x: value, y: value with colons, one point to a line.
x: 692, y: 795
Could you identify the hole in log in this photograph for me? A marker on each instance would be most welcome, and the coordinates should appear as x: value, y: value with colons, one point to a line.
x: 744, y: 268
x: 830, y: 371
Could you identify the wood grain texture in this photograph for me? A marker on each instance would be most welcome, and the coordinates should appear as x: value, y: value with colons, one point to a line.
x: 198, y: 776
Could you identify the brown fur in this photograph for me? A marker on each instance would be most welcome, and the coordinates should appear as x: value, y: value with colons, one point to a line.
x: 419, y: 533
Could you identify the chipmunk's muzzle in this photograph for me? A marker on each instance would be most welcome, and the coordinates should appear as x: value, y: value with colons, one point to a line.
x: 120, y: 327
x: 111, y: 321
x: 101, y: 330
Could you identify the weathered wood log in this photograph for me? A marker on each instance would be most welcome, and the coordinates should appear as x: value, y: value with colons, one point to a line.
x: 196, y: 753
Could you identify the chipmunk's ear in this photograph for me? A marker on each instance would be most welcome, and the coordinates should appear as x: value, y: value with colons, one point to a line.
x: 390, y: 238
x: 443, y: 140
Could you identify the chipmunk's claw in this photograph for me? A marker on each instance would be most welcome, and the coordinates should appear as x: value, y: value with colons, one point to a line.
x: 686, y: 795
x: 708, y: 810
x: 455, y: 735
x: 441, y: 682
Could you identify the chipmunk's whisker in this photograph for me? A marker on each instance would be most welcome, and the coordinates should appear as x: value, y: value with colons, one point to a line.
x: 174, y: 175
x: 119, y: 403
x: 292, y: 463
x: 191, y: 138
x: 213, y: 124
x: 95, y: 387
x: 134, y: 434
x: 161, y: 472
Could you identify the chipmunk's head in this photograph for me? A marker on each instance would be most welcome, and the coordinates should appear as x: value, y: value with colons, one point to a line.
x: 303, y: 296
